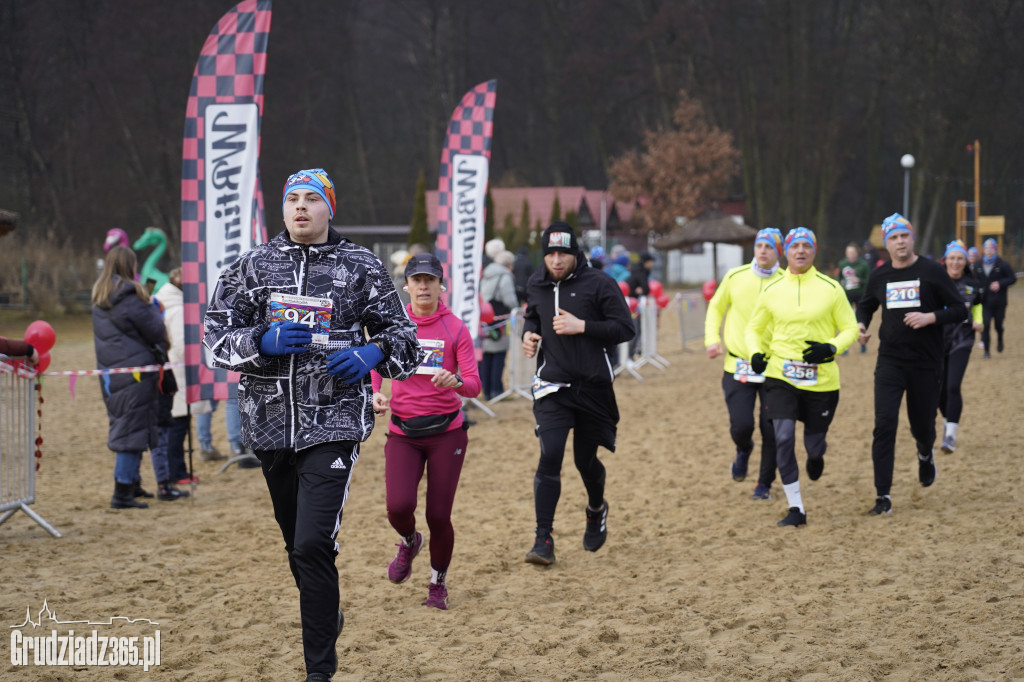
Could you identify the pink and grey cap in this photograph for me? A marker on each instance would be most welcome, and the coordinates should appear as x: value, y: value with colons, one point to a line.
x: 771, y: 236
x: 801, y: 234
x: 315, y: 179
x: 895, y: 224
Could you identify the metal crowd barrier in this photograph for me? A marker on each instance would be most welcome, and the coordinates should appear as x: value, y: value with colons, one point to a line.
x: 634, y: 355
x: 691, y: 309
x: 518, y: 368
x: 17, y: 452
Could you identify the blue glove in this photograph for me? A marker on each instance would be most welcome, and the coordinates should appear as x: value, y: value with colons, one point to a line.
x: 352, y: 364
x: 285, y: 338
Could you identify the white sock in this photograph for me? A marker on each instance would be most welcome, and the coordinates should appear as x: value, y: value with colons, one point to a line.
x: 951, y: 428
x: 793, y: 495
x: 436, y: 577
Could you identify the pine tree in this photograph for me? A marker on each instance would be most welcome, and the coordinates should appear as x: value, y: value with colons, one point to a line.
x: 556, y: 210
x: 488, y: 216
x: 418, y: 231
x: 523, y: 230
x: 508, y: 233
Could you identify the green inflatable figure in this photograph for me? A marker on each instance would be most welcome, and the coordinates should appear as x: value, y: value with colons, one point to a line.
x: 152, y: 237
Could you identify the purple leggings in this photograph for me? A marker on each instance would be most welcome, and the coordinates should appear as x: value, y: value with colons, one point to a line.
x: 404, y: 459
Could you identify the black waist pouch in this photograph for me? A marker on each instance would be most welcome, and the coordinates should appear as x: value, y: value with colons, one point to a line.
x: 427, y: 425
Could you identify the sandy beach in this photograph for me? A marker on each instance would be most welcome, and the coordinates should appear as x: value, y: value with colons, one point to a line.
x: 696, y: 582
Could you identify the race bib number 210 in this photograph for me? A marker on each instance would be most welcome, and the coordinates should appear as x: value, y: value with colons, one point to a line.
x: 903, y: 294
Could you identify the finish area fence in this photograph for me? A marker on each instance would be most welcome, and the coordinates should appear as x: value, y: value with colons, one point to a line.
x: 17, y: 451
x: 687, y: 307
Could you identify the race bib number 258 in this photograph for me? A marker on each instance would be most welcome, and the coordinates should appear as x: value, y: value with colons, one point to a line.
x: 800, y: 373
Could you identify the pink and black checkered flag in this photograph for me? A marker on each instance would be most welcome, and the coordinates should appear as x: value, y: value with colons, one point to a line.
x: 221, y: 200
x: 461, y: 196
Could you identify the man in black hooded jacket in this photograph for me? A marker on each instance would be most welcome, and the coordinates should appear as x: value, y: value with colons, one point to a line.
x: 575, y: 315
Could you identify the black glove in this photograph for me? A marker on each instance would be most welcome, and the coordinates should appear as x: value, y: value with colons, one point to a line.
x: 759, y: 363
x: 819, y: 353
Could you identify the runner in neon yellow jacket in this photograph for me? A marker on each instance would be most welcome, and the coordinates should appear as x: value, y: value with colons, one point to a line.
x: 792, y: 338
x: 737, y: 293
x: 793, y: 310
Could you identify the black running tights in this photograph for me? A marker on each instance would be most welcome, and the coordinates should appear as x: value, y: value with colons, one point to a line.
x: 951, y: 402
x: 547, y: 483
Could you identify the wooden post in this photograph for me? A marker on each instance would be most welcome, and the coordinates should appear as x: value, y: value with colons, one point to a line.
x: 977, y: 193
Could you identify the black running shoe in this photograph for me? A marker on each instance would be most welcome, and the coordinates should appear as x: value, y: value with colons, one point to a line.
x: 597, y: 528
x: 926, y: 469
x: 794, y: 518
x: 815, y: 465
x: 739, y: 465
x: 543, y: 551
x: 883, y: 505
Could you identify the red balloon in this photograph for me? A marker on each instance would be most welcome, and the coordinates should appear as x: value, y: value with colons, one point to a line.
x: 709, y: 289
x: 486, y: 312
x: 41, y: 335
x: 624, y: 288
x: 633, y: 304
x: 44, y: 362
x: 662, y: 300
x: 656, y: 288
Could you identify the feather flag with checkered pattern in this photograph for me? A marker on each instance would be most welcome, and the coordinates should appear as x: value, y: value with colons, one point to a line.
x: 221, y: 200
x: 461, y: 195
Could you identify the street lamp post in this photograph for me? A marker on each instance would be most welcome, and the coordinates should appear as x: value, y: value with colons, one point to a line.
x: 907, y: 161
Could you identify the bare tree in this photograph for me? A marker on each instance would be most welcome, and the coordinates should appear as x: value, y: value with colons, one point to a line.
x: 680, y: 170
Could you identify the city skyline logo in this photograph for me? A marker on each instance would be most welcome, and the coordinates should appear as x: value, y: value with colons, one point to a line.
x: 87, y: 648
x: 52, y: 614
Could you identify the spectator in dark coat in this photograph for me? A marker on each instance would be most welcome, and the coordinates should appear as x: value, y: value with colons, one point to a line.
x: 995, y: 276
x: 127, y: 327
x: 639, y: 283
x: 640, y: 276
x: 521, y: 271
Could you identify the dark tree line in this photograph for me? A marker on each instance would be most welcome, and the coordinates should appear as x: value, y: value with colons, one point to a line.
x: 822, y: 98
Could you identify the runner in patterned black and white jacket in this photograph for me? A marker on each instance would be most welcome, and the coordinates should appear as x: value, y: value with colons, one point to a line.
x: 290, y: 401
x: 304, y: 318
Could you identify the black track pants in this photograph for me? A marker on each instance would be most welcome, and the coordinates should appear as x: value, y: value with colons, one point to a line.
x: 309, y: 489
x: 989, y: 314
x: 921, y: 385
x: 739, y: 401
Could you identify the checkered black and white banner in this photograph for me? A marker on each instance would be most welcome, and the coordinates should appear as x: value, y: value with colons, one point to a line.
x: 221, y: 199
x: 461, y: 197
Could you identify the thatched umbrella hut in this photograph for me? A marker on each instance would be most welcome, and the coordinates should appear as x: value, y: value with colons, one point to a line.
x: 712, y: 225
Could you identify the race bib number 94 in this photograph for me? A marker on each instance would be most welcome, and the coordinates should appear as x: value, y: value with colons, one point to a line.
x: 800, y: 373
x: 903, y: 294
x: 313, y: 312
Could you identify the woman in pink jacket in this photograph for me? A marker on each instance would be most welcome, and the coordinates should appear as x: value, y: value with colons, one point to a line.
x: 427, y: 427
